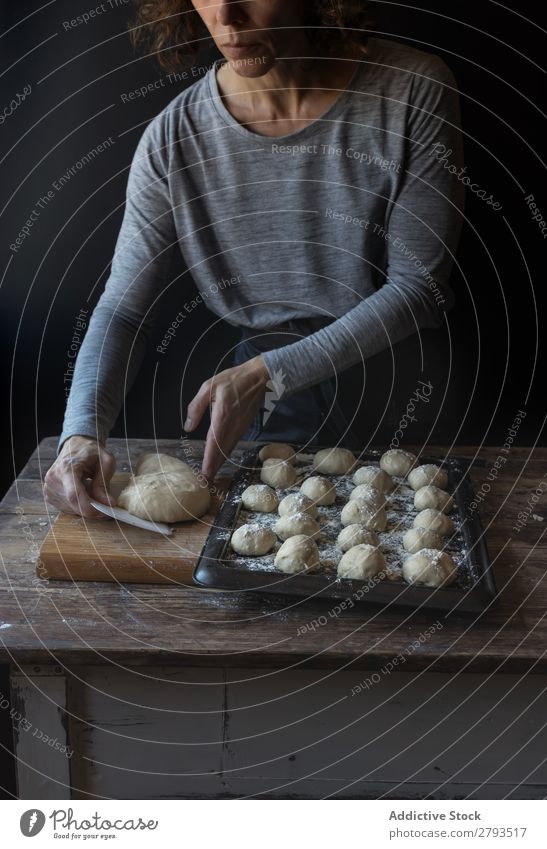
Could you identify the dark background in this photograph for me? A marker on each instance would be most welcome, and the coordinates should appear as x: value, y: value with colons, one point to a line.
x: 494, y: 53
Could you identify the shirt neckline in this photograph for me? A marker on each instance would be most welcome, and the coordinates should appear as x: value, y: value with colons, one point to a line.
x: 316, y: 125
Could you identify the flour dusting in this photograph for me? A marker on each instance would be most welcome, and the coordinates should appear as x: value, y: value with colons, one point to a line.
x: 400, y: 515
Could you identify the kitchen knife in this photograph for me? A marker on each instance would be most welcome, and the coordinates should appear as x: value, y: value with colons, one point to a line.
x: 123, y: 516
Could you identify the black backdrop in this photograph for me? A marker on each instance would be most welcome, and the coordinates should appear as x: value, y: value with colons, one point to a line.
x: 77, y: 76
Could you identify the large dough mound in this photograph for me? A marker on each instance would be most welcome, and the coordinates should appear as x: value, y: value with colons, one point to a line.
x: 148, y: 464
x: 176, y: 496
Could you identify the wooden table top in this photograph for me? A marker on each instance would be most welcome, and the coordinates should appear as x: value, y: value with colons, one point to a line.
x: 65, y: 623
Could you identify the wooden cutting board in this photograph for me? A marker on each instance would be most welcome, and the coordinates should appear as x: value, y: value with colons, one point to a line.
x: 81, y: 549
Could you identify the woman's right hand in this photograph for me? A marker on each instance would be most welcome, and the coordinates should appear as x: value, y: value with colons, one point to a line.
x: 80, y: 457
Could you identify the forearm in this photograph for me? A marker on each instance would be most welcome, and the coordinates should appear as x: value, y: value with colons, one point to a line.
x: 381, y: 320
x: 106, y: 366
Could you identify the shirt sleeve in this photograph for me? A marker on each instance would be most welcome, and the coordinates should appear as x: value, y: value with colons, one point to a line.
x: 119, y: 330
x: 422, y: 229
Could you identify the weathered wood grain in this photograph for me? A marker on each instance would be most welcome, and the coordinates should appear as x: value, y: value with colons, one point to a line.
x: 81, y: 549
x: 139, y: 623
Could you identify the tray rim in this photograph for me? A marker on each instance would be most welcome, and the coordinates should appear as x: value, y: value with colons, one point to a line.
x: 212, y: 572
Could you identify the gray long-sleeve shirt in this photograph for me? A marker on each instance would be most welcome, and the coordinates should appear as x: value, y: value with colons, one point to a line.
x: 354, y: 218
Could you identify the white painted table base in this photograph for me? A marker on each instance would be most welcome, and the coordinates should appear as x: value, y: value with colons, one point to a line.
x: 167, y: 732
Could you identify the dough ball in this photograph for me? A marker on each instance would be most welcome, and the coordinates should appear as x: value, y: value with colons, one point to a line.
x: 417, y: 538
x: 253, y: 539
x: 358, y: 512
x: 429, y: 568
x: 375, y: 477
x: 170, y: 497
x: 277, y: 473
x: 296, y: 524
x: 320, y: 490
x: 260, y: 497
x: 297, y: 554
x: 148, y: 464
x: 427, y: 474
x: 334, y: 461
x: 361, y: 562
x: 368, y: 493
x: 397, y: 462
x: 434, y: 520
x: 355, y: 535
x: 297, y: 502
x: 277, y: 451
x: 434, y: 498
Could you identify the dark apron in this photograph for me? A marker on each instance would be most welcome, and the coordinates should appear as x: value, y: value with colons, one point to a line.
x: 313, y: 415
x: 372, y: 403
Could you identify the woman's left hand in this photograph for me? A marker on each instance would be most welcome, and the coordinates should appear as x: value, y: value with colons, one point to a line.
x: 235, y: 396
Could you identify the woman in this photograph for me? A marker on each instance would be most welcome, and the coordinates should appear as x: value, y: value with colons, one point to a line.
x: 302, y: 167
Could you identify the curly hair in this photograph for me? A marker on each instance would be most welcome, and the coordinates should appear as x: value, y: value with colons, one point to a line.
x: 173, y: 32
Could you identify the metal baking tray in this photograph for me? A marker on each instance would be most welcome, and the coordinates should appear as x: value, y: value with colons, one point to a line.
x: 219, y: 568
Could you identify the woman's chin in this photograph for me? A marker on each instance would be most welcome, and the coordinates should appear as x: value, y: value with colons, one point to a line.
x: 251, y: 65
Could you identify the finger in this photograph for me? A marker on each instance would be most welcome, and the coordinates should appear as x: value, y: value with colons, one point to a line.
x: 216, y: 442
x: 212, y: 455
x: 99, y: 492
x: 77, y: 501
x: 197, y: 406
x: 101, y: 480
x: 67, y: 493
x: 221, y: 439
x: 76, y: 496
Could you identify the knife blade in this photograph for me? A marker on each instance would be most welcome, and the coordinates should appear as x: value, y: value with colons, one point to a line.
x: 122, y: 515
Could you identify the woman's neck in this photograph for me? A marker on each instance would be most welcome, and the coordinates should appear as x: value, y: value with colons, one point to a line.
x: 291, y: 90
